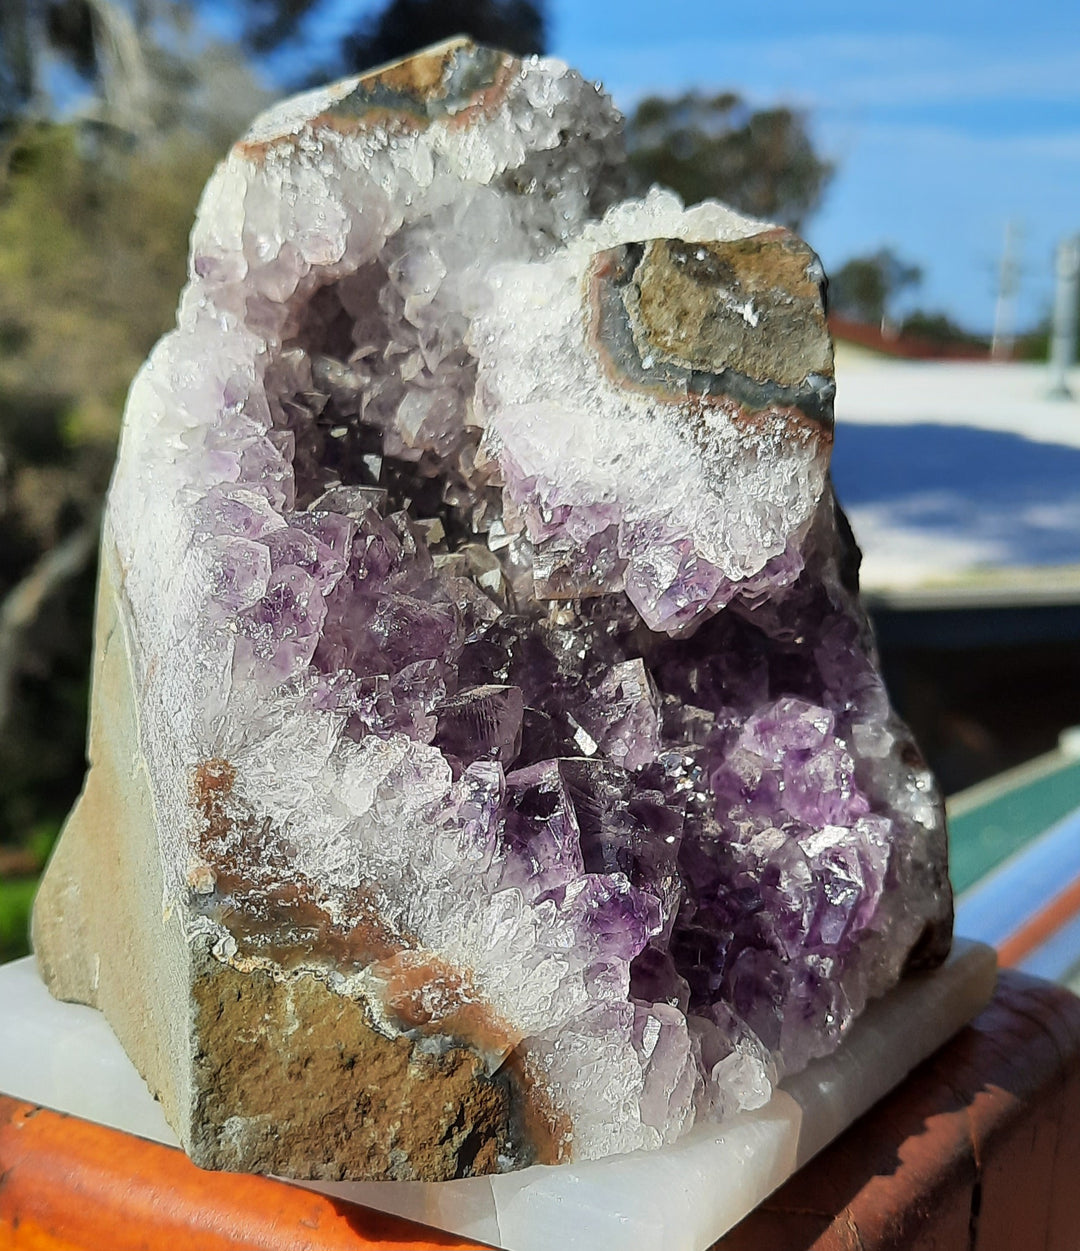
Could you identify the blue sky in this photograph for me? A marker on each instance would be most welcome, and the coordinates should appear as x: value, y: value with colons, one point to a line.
x: 946, y: 118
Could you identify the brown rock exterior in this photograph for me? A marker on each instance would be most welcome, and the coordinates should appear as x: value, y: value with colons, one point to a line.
x: 750, y: 305
x: 368, y: 1105
x: 738, y: 326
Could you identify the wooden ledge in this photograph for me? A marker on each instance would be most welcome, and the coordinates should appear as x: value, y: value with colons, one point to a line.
x: 979, y: 1150
x: 69, y: 1185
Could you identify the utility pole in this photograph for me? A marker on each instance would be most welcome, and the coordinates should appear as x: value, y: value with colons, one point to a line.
x: 1001, y: 345
x: 1063, y: 331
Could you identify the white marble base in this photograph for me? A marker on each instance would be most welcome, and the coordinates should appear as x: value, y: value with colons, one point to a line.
x: 681, y: 1198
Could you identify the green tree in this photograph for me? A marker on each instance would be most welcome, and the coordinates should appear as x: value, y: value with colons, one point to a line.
x: 1035, y: 345
x: 865, y: 287
x: 761, y: 162
x: 146, y: 68
x: 92, y: 258
x: 407, y: 25
x: 939, y: 328
x: 267, y: 24
x: 16, y: 59
x: 394, y: 31
x: 94, y: 219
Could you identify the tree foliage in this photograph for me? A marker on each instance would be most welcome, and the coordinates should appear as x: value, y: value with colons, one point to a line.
x: 94, y: 218
x: 404, y: 26
x: 865, y: 287
x: 1035, y: 345
x: 30, y: 30
x: 140, y: 68
x: 16, y: 60
x: 267, y: 24
x: 759, y: 161
x: 394, y: 31
x: 92, y: 257
x: 939, y: 328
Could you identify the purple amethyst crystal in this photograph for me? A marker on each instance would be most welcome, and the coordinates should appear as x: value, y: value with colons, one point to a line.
x: 501, y: 611
x: 481, y: 723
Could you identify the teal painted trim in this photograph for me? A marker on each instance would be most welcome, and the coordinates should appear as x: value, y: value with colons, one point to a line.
x: 984, y: 835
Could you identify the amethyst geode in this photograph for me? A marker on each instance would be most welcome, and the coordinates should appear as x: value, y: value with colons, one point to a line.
x: 504, y: 727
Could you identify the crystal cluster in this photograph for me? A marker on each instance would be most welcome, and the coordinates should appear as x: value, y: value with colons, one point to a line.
x: 497, y: 649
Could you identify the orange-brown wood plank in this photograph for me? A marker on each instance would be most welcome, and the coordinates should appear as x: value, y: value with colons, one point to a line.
x: 979, y: 1150
x: 1040, y: 927
x: 69, y: 1185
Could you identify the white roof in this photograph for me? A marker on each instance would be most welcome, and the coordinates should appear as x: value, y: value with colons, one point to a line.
x: 968, y: 532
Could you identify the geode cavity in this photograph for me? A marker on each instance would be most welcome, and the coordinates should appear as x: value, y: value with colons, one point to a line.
x: 490, y: 762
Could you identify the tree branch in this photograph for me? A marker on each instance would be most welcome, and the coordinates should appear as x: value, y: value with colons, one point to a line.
x: 20, y: 608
